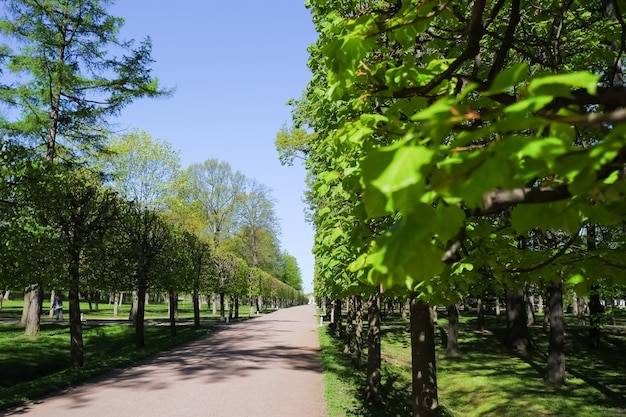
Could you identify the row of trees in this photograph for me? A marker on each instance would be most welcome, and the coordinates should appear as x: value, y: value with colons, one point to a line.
x: 83, y: 211
x: 458, y: 148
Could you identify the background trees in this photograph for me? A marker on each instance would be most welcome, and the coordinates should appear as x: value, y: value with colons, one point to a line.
x: 85, y: 211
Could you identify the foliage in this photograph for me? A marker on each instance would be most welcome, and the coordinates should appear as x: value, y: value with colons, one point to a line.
x: 143, y: 170
x: 439, y: 131
x: 70, y: 73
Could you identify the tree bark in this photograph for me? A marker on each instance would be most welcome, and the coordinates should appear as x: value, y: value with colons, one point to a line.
x: 117, y: 300
x: 348, y: 337
x: 582, y: 318
x: 173, y: 300
x: 77, y: 349
x: 530, y: 309
x: 222, y: 307
x: 196, y: 309
x: 140, y: 338
x: 337, y: 317
x: 452, y: 349
x: 424, y: 373
x: 556, y: 348
x: 373, y: 391
x: 134, y: 308
x: 595, y: 307
x: 32, y: 316
x: 595, y: 319
x: 52, y: 295
x: 358, y: 333
x: 517, y: 329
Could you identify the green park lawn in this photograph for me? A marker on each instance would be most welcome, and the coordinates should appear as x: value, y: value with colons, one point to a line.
x: 487, y: 379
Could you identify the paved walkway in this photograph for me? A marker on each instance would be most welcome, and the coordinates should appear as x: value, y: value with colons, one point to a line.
x: 266, y: 367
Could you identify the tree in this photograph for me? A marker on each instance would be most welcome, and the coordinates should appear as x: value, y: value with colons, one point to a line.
x: 462, y: 126
x: 143, y: 239
x: 258, y: 222
x: 80, y: 211
x: 143, y: 170
x: 68, y: 78
x: 290, y: 271
x: 218, y: 190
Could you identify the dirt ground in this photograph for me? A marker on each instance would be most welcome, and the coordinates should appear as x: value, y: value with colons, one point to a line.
x: 269, y: 366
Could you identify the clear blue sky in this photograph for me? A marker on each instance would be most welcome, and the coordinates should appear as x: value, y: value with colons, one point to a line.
x: 234, y: 66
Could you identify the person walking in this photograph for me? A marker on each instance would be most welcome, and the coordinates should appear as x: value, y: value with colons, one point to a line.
x: 57, y: 306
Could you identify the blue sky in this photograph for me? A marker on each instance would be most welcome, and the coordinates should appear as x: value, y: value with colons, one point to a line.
x: 234, y: 66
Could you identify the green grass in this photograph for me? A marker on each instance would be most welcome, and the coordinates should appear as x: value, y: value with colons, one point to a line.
x: 33, y: 367
x: 488, y: 379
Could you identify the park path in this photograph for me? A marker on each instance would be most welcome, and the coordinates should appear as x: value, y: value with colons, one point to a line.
x: 267, y: 366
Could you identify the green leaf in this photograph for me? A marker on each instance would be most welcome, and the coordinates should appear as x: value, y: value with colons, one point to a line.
x: 391, y: 169
x: 560, y: 84
x: 531, y: 104
x: 508, y: 78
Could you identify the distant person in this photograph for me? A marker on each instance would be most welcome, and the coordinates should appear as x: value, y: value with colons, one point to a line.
x: 58, y: 307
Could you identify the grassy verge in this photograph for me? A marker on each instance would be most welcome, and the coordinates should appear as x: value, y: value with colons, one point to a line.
x: 488, y: 379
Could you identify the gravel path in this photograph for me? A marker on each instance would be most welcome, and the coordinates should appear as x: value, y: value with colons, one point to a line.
x: 266, y: 367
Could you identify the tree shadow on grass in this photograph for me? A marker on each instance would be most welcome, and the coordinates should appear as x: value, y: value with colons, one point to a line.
x: 502, y: 382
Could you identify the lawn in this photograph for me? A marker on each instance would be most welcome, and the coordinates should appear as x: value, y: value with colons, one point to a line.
x: 488, y: 379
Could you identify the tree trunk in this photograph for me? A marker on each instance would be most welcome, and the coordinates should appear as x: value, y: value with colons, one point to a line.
x: 424, y: 372
x: 373, y: 391
x: 498, y: 308
x: 453, y: 332
x: 348, y: 336
x: 140, y: 338
x: 358, y: 333
x: 116, y: 303
x: 595, y: 314
x: 517, y: 329
x: 556, y: 348
x: 582, y: 318
x: 25, y: 307
x: 236, y: 306
x: 406, y: 308
x: 215, y: 299
x: 196, y: 308
x: 595, y: 307
x: 173, y: 300
x: 52, y: 295
x: 337, y: 317
x: 530, y: 309
x: 222, y: 307
x: 574, y: 305
x: 539, y: 304
x: 77, y: 349
x: 135, y: 307
x: 32, y: 317
x: 6, y: 295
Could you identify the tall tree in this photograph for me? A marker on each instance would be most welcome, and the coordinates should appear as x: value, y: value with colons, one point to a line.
x: 144, y: 170
x: 69, y: 76
x: 218, y: 189
x: 256, y: 216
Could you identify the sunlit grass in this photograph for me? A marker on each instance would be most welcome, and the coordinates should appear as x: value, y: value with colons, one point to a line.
x: 488, y: 379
